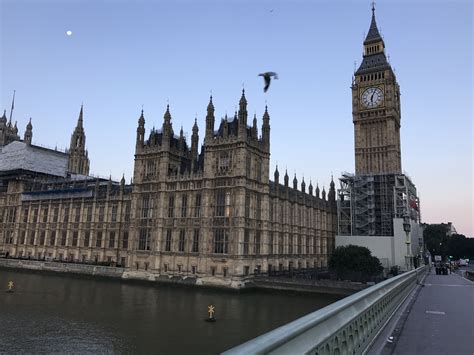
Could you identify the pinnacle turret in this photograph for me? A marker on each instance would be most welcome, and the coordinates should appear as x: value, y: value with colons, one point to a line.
x: 243, y: 115
x: 276, y: 175
x: 28, y: 133
x: 243, y: 100
x: 210, y: 119
x: 140, y: 132
x: 78, y: 162
x: 167, y: 115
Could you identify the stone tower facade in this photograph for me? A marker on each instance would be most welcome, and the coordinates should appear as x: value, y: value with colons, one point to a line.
x: 215, y: 214
x: 78, y: 162
x: 376, y: 110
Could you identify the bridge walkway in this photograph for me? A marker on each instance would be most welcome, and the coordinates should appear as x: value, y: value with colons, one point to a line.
x: 440, y: 320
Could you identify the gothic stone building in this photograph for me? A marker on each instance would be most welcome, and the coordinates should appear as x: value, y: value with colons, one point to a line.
x: 210, y: 215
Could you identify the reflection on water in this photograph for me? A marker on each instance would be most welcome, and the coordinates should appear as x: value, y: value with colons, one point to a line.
x: 56, y: 313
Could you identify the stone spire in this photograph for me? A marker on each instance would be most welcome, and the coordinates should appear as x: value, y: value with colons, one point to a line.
x: 266, y: 129
x: 225, y: 127
x: 323, y: 194
x: 210, y: 119
x: 243, y: 115
x: 303, y: 186
x: 80, y: 118
x: 181, y: 139
x: 277, y: 176
x: 28, y: 133
x: 78, y: 138
x: 254, y: 127
x: 310, y: 188
x: 194, y: 142
x: 295, y: 183
x: 78, y: 162
x: 167, y: 128
x: 286, y: 178
x: 332, y: 190
x: 122, y: 183
x: 140, y: 132
x: 317, y: 190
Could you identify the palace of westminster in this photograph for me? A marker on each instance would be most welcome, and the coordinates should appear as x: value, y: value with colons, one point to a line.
x: 211, y: 213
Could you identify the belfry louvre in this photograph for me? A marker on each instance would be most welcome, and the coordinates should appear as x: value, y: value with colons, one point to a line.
x: 209, y: 214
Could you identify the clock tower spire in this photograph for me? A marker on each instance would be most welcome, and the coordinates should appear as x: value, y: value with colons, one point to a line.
x: 376, y: 109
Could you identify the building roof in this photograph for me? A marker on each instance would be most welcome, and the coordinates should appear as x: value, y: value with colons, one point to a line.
x: 374, y: 62
x: 373, y: 35
x: 19, y: 156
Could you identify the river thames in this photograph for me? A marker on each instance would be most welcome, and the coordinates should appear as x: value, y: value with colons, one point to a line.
x: 51, y: 313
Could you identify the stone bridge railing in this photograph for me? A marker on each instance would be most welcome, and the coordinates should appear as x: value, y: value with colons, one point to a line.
x: 345, y: 327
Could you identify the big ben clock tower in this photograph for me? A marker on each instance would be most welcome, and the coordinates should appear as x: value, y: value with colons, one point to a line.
x: 376, y: 110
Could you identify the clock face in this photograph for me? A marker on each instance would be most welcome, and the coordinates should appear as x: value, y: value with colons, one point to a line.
x: 372, y: 97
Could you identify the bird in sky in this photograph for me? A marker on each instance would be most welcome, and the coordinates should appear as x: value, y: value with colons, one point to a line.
x: 267, y: 77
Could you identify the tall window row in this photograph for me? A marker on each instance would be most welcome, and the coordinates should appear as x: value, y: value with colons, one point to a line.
x: 184, y: 202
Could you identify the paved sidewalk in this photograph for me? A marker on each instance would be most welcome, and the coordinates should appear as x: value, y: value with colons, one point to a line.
x: 441, y: 320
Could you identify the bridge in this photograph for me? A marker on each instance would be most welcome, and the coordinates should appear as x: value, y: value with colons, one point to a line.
x: 364, y: 322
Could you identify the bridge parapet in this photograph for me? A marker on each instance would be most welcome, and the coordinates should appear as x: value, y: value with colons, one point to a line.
x: 347, y: 326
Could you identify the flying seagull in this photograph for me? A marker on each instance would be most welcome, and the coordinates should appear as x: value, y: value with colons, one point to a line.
x: 267, y: 76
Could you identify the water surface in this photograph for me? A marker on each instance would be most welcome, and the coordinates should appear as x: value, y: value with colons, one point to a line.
x: 57, y: 313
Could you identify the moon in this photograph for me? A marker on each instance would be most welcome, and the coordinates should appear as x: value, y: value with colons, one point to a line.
x: 68, y: 32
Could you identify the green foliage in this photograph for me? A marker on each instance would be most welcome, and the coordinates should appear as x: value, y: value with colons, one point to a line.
x: 434, y: 236
x: 439, y: 243
x: 354, y: 262
x: 458, y: 246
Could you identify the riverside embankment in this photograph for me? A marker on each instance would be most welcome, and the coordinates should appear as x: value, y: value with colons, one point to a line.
x: 340, y: 288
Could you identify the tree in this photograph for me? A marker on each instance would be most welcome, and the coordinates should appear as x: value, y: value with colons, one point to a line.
x: 438, y: 242
x: 435, y: 238
x: 355, y: 263
x: 458, y: 246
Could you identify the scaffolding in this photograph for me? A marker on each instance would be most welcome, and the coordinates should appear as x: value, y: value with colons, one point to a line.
x: 367, y: 204
x: 344, y: 205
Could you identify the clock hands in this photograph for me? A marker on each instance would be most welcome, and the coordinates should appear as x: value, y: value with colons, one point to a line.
x: 372, y: 97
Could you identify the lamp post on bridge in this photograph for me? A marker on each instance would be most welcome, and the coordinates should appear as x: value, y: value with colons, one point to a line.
x: 407, y: 229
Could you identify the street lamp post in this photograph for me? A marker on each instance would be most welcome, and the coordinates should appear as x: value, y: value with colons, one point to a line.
x: 407, y: 228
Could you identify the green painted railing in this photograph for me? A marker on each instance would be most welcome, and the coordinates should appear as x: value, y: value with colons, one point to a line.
x: 344, y: 327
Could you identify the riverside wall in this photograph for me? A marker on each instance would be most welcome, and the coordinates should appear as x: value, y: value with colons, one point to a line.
x: 341, y: 288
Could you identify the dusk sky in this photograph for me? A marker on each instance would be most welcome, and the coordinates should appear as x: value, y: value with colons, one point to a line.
x: 125, y: 54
